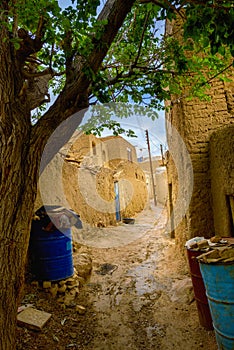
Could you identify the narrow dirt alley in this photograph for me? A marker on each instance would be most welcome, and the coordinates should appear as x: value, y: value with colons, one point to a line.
x: 139, y: 295
x: 136, y: 290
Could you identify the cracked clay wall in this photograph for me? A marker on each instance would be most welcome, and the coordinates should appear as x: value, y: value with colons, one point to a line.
x: 82, y: 178
x: 197, y: 121
x: 222, y: 180
x: 199, y: 174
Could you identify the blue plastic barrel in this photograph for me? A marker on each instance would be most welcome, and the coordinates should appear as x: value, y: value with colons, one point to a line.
x: 51, y: 254
x: 219, y: 283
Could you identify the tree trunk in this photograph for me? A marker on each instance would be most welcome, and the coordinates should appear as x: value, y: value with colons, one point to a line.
x: 21, y: 147
x: 18, y: 192
x: 19, y: 161
x: 18, y: 186
x: 13, y: 250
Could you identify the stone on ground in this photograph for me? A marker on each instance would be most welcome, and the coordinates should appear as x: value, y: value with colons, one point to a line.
x: 33, y: 318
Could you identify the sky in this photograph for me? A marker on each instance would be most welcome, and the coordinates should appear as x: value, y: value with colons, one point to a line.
x: 156, y: 132
x: 140, y: 123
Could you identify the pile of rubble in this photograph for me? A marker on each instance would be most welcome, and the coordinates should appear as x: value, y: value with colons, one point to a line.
x: 65, y: 291
x: 214, y: 250
x: 201, y: 243
x: 220, y: 255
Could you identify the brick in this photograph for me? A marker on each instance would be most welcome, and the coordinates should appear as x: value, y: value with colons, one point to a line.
x: 46, y: 284
x: 33, y: 318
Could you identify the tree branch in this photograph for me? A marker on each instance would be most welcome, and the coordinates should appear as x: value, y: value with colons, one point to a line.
x: 165, y: 4
x: 28, y: 45
x: 205, y: 4
x: 33, y: 74
x: 217, y: 74
x: 74, y: 97
x: 141, y: 39
x: 204, y: 83
x: 15, y: 20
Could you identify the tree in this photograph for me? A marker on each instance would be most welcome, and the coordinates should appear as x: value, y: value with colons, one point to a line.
x: 84, y: 58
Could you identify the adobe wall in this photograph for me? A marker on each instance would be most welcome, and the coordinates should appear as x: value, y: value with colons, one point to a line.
x: 118, y: 148
x: 75, y: 179
x: 145, y: 164
x: 161, y: 185
x: 196, y: 121
x: 86, y: 149
x: 158, y: 179
x: 50, y: 191
x: 222, y: 180
x: 133, y: 190
x: 90, y: 192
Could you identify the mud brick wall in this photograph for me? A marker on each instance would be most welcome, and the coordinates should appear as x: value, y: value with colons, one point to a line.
x: 222, y: 180
x: 196, y: 121
x: 78, y: 190
x: 82, y: 178
x: 161, y: 185
x: 119, y: 149
x: 86, y: 149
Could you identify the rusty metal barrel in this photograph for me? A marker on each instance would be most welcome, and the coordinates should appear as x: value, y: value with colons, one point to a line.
x: 203, y: 308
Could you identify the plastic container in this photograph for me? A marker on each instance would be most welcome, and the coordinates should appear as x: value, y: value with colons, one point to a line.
x: 219, y: 283
x: 128, y: 221
x: 51, y: 254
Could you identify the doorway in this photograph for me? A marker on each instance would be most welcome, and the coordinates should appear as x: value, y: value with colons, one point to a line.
x: 117, y: 201
x: 230, y: 204
x: 171, y: 210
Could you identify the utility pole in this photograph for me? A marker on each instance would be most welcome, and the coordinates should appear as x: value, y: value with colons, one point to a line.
x: 161, y: 148
x: 151, y: 167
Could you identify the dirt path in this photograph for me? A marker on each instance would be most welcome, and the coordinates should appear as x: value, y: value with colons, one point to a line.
x: 132, y: 303
x: 133, y: 299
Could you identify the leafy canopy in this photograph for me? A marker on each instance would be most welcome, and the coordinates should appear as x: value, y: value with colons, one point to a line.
x: 143, y: 65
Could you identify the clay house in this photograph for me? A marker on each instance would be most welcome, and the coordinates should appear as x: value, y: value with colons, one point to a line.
x: 111, y: 184
x: 101, y: 179
x: 159, y: 178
